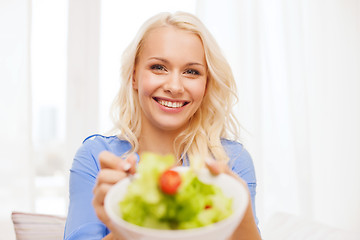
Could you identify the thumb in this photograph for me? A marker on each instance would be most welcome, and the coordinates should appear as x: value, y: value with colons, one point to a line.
x: 215, y: 167
x: 130, y: 164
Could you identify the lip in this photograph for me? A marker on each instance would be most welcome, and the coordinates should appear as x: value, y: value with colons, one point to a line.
x: 170, y: 109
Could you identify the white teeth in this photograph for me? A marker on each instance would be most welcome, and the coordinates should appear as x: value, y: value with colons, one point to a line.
x: 171, y: 104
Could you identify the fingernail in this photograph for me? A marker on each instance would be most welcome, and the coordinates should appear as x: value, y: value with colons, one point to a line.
x: 126, y: 167
x: 209, y: 161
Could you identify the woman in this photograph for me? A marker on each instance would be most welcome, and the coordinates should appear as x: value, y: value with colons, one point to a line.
x: 176, y: 97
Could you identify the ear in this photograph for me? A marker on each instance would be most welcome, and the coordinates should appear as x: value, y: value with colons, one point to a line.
x: 134, y: 82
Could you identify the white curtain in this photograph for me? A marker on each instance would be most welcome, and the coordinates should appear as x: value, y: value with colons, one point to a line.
x: 297, y: 64
x: 15, y: 111
x: 82, y: 100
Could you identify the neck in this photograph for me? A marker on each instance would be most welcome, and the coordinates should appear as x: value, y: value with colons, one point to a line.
x: 157, y: 141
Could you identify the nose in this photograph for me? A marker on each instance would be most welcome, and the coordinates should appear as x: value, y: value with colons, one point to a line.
x: 174, y: 84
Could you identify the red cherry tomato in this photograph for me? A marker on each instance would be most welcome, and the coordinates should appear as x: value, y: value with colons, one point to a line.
x: 170, y: 181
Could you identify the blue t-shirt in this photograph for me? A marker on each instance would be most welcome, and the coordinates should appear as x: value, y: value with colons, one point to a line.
x: 82, y: 222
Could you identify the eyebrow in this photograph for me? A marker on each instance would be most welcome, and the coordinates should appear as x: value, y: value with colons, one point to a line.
x: 166, y: 61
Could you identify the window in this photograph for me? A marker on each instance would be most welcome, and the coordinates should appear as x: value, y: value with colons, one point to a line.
x: 48, y: 78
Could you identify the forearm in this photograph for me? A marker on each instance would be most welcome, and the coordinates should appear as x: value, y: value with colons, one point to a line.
x: 111, y: 236
x: 247, y: 229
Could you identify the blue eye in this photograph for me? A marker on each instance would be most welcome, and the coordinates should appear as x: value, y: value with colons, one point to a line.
x: 157, y: 67
x: 192, y: 72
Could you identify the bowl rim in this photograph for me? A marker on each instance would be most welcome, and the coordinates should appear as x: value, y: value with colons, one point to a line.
x: 237, y: 214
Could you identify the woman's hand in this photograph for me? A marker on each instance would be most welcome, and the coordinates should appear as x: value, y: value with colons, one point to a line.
x: 247, y: 228
x: 113, y: 169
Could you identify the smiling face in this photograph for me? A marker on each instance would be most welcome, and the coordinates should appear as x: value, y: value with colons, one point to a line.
x: 170, y: 78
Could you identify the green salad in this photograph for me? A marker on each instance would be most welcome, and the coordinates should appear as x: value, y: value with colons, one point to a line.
x: 162, y: 198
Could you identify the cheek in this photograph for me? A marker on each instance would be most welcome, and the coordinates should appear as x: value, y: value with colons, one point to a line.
x: 146, y: 85
x: 198, y: 91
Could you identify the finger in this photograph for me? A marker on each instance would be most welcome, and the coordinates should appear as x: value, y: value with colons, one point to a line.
x: 110, y: 176
x: 100, y: 212
x: 109, y: 160
x: 215, y: 167
x: 98, y: 203
x: 100, y: 192
x: 131, y: 161
x: 102, y: 215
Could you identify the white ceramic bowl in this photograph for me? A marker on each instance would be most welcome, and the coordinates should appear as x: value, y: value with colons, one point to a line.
x: 218, y: 231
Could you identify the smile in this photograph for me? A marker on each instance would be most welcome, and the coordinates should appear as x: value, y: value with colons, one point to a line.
x: 171, y: 104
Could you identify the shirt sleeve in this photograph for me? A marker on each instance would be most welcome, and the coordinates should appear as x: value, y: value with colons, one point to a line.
x: 82, y: 222
x: 242, y: 164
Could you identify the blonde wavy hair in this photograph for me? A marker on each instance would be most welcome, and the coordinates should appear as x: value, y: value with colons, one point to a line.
x: 213, y: 120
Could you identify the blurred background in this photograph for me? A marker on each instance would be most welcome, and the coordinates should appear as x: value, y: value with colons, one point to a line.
x: 297, y: 67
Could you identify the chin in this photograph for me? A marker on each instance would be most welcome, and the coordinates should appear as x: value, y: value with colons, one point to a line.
x: 172, y: 127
